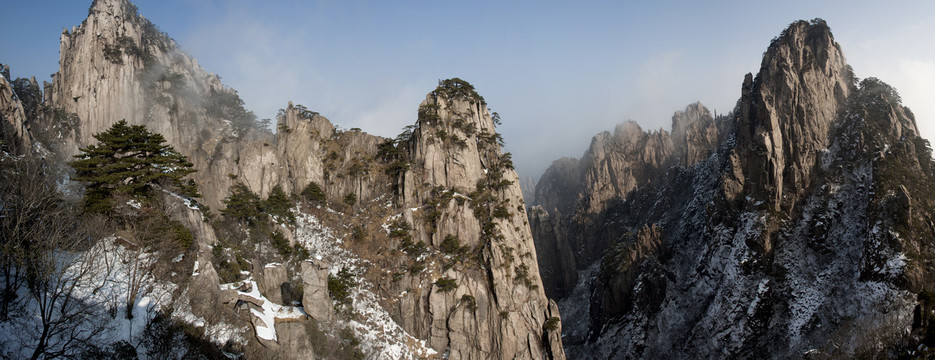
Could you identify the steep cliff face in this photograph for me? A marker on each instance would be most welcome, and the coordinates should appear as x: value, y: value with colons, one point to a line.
x: 786, y: 112
x: 616, y: 164
x: 118, y: 65
x: 462, y: 190
x: 793, y: 236
x: 12, y: 116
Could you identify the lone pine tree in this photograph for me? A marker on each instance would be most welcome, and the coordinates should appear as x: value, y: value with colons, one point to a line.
x: 128, y: 159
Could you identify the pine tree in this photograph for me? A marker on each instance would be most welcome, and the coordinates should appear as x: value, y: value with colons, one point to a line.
x: 242, y: 204
x: 278, y: 204
x: 314, y: 193
x: 127, y: 159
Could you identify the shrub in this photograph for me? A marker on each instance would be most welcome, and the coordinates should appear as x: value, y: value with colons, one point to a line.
x: 451, y: 245
x: 127, y: 159
x: 280, y: 243
x: 416, y: 267
x: 182, y: 236
x: 228, y: 271
x: 414, y: 249
x: 501, y: 212
x: 551, y: 324
x: 522, y: 277
x: 224, y: 105
x: 469, y: 301
x: 350, y: 199
x: 399, y: 228
x: 314, y: 193
x: 242, y: 204
x: 357, y: 168
x: 358, y: 233
x: 112, y: 53
x: 339, y: 287
x: 446, y: 284
x: 457, y: 88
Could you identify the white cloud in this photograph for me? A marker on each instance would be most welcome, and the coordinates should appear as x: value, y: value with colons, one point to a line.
x: 903, y: 57
x: 388, y: 115
x: 915, y: 81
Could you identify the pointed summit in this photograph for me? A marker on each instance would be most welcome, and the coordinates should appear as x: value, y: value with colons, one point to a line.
x: 804, y: 44
x: 786, y: 112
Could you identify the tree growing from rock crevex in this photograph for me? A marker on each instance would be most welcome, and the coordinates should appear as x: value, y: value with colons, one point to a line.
x: 127, y: 159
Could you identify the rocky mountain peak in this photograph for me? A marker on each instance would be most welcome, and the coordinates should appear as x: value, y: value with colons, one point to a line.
x: 683, y: 119
x: 695, y: 133
x: 786, y: 111
x: 805, y: 44
x: 627, y: 133
x: 116, y: 8
x: 454, y: 143
x: 117, y: 65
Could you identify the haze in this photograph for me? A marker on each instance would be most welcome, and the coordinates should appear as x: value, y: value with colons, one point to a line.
x: 557, y: 72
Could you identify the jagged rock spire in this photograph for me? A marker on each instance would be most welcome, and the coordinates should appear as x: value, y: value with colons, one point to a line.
x: 786, y: 111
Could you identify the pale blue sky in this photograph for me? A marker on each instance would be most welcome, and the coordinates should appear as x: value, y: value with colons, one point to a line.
x: 557, y: 72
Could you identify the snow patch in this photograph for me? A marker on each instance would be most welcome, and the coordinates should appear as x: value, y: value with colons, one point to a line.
x: 381, y: 337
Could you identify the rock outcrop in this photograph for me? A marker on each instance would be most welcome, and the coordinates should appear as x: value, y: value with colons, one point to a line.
x: 12, y: 116
x: 695, y: 134
x: 464, y: 188
x: 786, y: 112
x: 118, y: 65
x: 315, y: 296
x: 270, y: 278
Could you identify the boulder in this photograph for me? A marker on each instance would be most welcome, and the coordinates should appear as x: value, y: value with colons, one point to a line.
x: 269, y: 279
x: 315, y: 297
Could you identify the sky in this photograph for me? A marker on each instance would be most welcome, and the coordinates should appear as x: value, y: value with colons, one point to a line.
x: 558, y: 72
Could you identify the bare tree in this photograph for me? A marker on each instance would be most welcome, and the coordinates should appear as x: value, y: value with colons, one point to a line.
x: 45, y: 255
x: 21, y: 205
x: 68, y: 321
x: 141, y: 239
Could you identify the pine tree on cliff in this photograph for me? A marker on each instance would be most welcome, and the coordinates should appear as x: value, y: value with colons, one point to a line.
x: 243, y: 204
x: 128, y: 159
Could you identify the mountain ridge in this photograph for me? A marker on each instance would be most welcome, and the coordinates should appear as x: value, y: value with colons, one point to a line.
x: 752, y: 250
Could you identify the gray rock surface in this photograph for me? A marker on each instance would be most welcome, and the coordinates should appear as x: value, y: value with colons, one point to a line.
x: 454, y: 150
x: 315, y: 298
x: 12, y: 117
x: 269, y: 279
x: 293, y: 341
